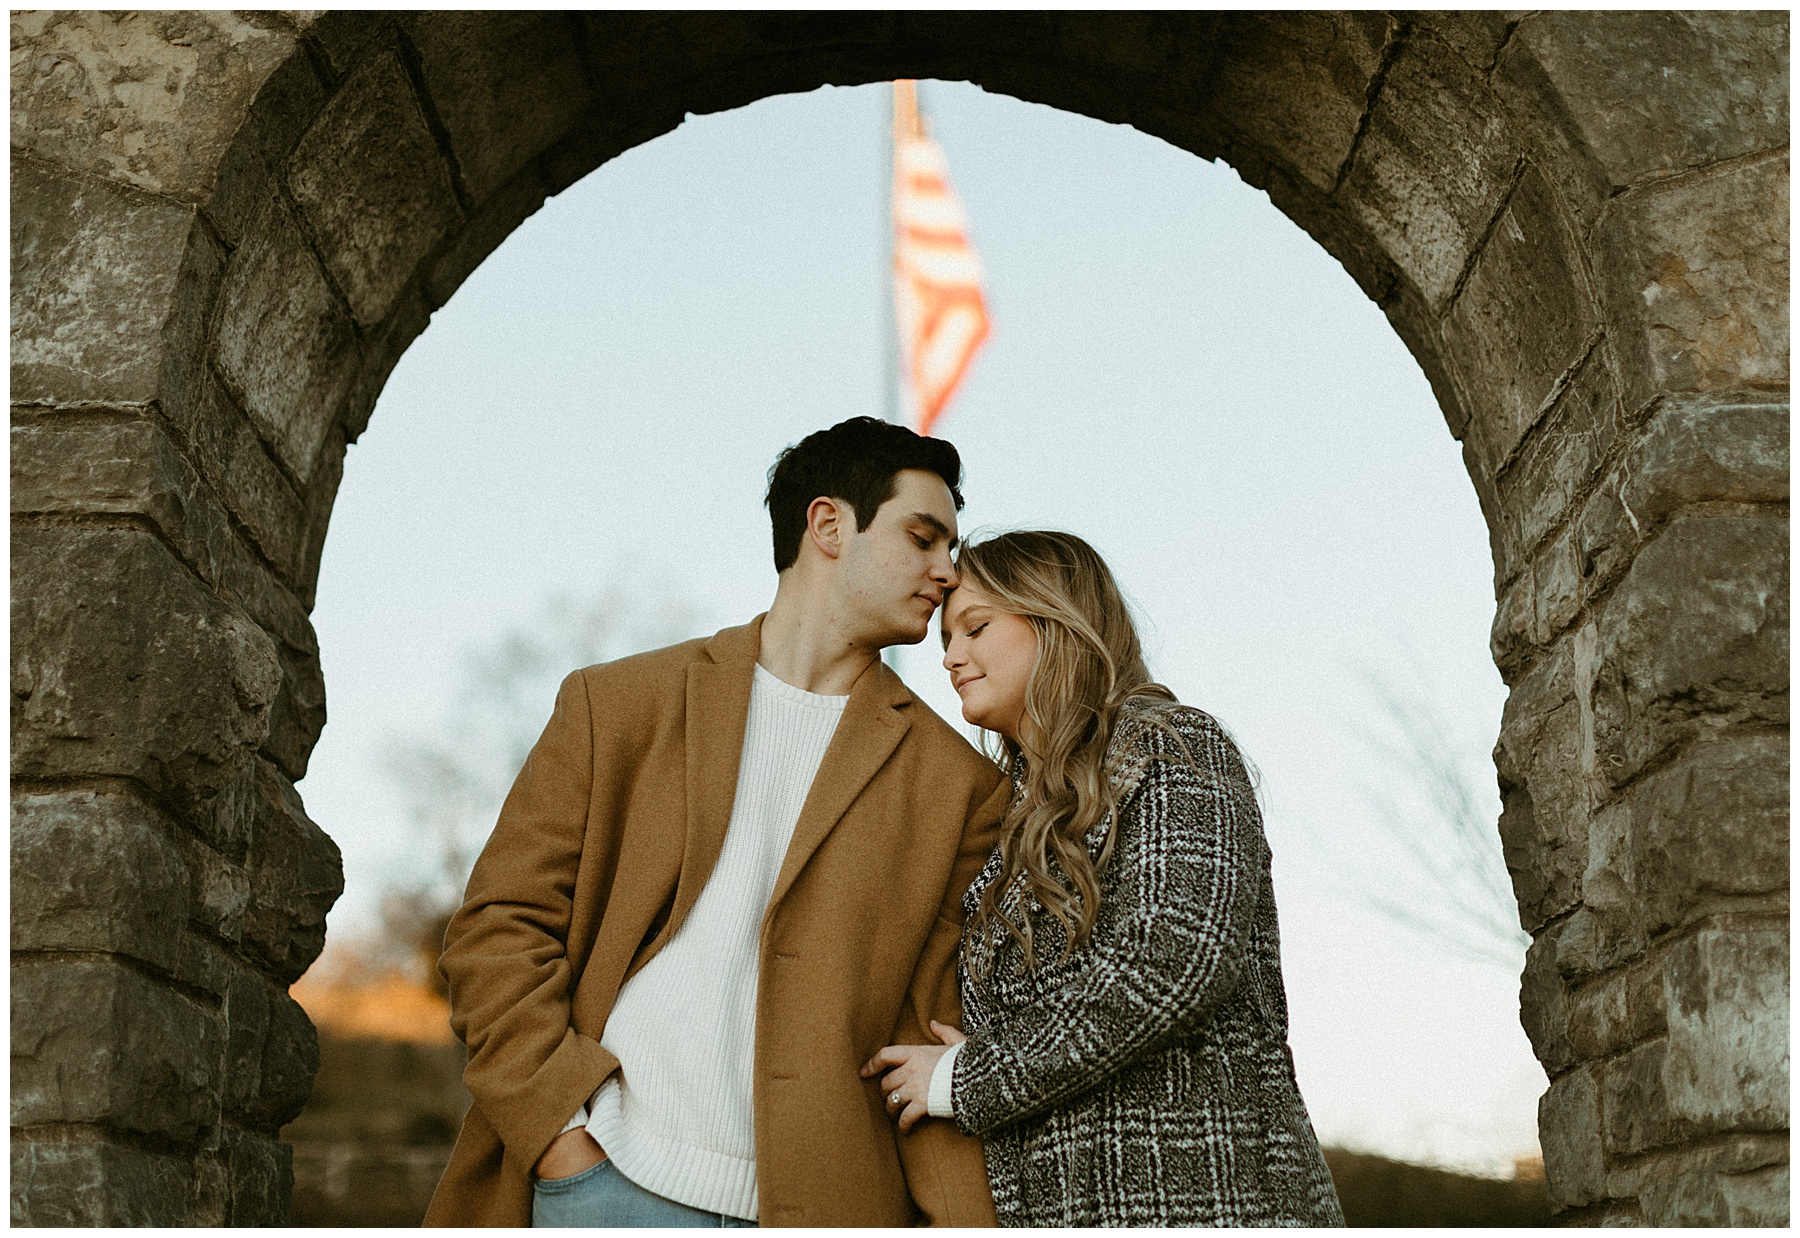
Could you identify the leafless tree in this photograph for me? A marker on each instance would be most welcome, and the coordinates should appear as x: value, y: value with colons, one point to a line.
x: 454, y: 779
x: 1434, y: 864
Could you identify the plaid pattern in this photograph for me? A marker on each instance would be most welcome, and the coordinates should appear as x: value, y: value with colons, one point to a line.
x: 1146, y: 1079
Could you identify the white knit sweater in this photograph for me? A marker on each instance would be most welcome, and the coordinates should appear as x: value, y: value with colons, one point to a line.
x: 676, y: 1119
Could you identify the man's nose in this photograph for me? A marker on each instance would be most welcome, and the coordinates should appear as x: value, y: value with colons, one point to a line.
x: 944, y: 572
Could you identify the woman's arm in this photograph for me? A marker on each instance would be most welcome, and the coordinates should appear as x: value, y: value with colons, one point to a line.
x: 1155, y: 968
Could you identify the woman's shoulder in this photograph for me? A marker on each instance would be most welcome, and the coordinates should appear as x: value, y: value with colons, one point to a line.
x: 1151, y: 729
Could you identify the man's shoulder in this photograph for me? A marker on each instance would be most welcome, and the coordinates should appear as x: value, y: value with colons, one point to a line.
x: 657, y: 667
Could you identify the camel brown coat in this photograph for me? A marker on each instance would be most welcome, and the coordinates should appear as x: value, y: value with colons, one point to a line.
x: 601, y: 849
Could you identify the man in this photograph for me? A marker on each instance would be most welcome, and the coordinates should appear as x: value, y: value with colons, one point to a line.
x: 728, y: 873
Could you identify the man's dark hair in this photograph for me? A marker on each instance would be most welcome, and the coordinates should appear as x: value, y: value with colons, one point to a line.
x: 855, y: 461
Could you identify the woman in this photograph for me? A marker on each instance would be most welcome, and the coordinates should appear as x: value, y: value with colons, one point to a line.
x: 1126, y: 1059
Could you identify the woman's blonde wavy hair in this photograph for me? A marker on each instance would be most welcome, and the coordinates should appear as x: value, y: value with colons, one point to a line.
x: 1089, y: 661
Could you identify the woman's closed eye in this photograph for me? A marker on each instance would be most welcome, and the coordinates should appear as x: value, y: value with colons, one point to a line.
x: 975, y: 631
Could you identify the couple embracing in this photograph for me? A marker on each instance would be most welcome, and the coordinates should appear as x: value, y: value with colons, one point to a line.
x: 759, y: 939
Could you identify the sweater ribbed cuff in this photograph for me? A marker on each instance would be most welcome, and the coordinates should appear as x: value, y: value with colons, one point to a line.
x: 938, y: 1102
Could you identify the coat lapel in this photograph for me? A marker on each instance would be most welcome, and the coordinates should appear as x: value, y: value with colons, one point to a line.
x: 718, y: 706
x: 871, y: 728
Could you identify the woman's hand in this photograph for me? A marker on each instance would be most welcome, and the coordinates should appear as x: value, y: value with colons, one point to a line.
x: 568, y: 1154
x: 907, y: 1085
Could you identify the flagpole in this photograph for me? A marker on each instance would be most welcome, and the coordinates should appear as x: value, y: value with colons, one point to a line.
x: 890, y: 354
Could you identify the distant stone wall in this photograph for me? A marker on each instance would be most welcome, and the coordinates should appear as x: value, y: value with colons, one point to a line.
x: 228, y: 226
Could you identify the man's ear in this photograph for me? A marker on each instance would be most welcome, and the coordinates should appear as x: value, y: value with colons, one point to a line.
x: 829, y: 523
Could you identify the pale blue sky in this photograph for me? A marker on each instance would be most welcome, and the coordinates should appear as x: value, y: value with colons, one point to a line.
x: 1176, y: 372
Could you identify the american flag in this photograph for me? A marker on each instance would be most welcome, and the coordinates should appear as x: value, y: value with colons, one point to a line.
x: 938, y: 303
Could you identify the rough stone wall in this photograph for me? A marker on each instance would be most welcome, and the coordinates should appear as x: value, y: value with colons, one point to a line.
x: 227, y: 227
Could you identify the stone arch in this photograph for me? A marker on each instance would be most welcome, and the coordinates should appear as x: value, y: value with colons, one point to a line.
x: 227, y: 227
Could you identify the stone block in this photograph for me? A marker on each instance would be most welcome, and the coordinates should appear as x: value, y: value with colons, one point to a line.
x: 256, y: 1179
x: 1600, y: 1016
x: 1544, y: 759
x: 1520, y: 322
x: 96, y: 871
x: 1715, y: 822
x: 1558, y: 463
x: 1694, y: 449
x: 283, y: 343
x: 1737, y: 1181
x: 505, y: 86
x: 348, y: 35
x: 1727, y: 1062
x: 1638, y: 1116
x: 95, y: 273
x: 1433, y: 167
x: 1610, y: 928
x: 1474, y: 34
x: 290, y: 1062
x: 146, y: 98
x: 88, y: 1180
x: 250, y: 169
x: 1758, y: 1197
x: 296, y: 875
x: 1698, y: 451
x: 96, y: 608
x: 1697, y: 271
x: 118, y: 466
x: 1294, y: 85
x: 1543, y: 1005
x: 1556, y: 589
x: 1657, y: 92
x: 1694, y: 637
x: 221, y: 891
x: 1574, y: 1150
x: 94, y: 1041
x: 1510, y: 640
x: 271, y: 1053
x: 374, y: 187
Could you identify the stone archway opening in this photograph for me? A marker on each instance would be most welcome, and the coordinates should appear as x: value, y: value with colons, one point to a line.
x: 1585, y: 254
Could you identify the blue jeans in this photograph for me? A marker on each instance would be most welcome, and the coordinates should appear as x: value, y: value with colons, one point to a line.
x: 604, y: 1196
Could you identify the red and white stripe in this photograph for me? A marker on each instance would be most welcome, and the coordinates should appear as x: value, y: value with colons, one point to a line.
x: 938, y: 302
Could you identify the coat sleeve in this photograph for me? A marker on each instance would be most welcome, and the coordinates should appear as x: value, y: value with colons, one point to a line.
x: 944, y: 1168
x: 505, y: 952
x: 1157, y: 964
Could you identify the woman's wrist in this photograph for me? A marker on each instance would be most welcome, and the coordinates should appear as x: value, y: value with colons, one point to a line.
x: 939, y: 1102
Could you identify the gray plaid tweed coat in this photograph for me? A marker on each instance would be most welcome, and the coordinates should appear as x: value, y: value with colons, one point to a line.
x: 1146, y: 1079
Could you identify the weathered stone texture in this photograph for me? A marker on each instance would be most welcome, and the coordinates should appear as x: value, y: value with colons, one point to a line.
x: 1298, y: 83
x: 1654, y: 93
x: 94, y: 608
x: 279, y: 320
x: 374, y: 187
x: 93, y: 1181
x: 1433, y: 166
x: 1727, y: 1065
x: 96, y: 871
x: 1547, y: 788
x: 93, y: 285
x: 296, y: 874
x: 95, y: 1041
x: 1574, y: 1149
x: 505, y: 86
x: 1522, y: 319
x: 147, y: 98
x: 1702, y: 264
x: 1695, y: 636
